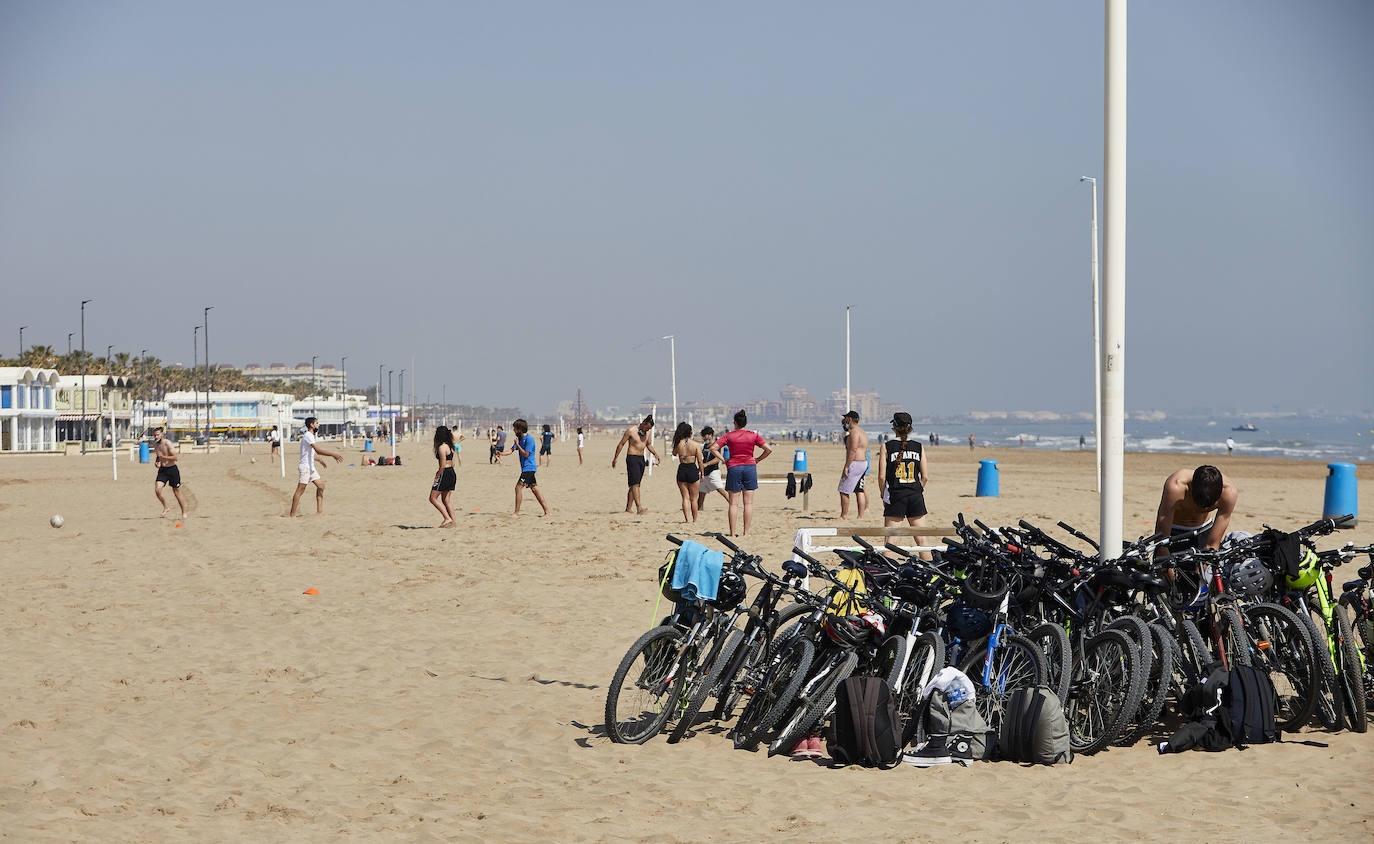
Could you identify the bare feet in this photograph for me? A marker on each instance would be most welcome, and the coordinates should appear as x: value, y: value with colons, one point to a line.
x: 164, y: 512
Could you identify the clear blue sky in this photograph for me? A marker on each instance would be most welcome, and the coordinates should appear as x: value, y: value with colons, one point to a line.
x: 517, y: 194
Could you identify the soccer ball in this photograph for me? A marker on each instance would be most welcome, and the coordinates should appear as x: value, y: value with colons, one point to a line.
x: 56, y: 521
x: 253, y: 460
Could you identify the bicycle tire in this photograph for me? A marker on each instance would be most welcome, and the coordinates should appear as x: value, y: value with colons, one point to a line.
x: 1194, y: 655
x: 746, y: 659
x: 890, y: 665
x: 1350, y: 673
x: 1105, y: 690
x: 1053, y: 641
x: 661, y: 648
x: 1140, y: 635
x: 1364, y: 631
x: 1158, y: 683
x: 1018, y: 665
x: 689, y: 715
x: 779, y: 685
x: 927, y: 658
x: 1330, y: 708
x: 1235, y: 644
x: 1281, y: 646
x: 802, y: 722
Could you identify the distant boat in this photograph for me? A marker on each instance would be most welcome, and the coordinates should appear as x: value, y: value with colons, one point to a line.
x: 1245, y: 426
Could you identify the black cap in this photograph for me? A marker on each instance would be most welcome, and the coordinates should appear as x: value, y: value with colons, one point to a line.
x: 901, y: 417
x: 853, y: 414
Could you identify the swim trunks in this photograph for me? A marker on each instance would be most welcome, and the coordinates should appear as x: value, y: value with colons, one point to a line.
x: 854, y: 481
x: 169, y: 475
x: 634, y: 468
x: 528, y: 479
x: 688, y: 473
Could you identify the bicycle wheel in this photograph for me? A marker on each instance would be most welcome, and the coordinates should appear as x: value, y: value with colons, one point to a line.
x: 1053, y: 642
x: 927, y: 658
x: 1106, y: 688
x: 1364, y: 632
x: 645, y: 686
x: 1235, y: 644
x: 1330, y: 707
x: 1163, y: 669
x: 1140, y: 637
x: 812, y: 705
x: 698, y: 692
x: 781, y: 680
x: 1350, y: 672
x: 1193, y: 653
x: 747, y: 660
x: 1280, y: 645
x: 887, y: 663
x: 1015, y: 664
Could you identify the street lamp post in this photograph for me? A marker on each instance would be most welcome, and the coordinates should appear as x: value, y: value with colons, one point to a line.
x: 143, y: 383
x: 380, y: 417
x: 209, y: 383
x: 84, y: 303
x: 672, y: 358
x: 343, y: 395
x: 195, y: 366
x: 109, y: 374
x: 390, y: 425
x: 21, y: 344
x: 313, y: 388
x: 401, y: 388
x: 69, y: 343
x: 1097, y: 343
x: 848, y: 403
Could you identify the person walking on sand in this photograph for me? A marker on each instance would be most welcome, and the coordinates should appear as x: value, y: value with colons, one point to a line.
x: 546, y: 446
x: 523, y: 444
x: 903, y: 477
x: 579, y: 446
x: 308, y: 474
x: 1230, y: 445
x: 635, y: 441
x: 445, y: 478
x: 855, y: 465
x: 500, y: 444
x: 688, y: 452
x: 711, y: 460
x: 274, y: 440
x: 741, y: 470
x: 458, y: 446
x: 165, y: 458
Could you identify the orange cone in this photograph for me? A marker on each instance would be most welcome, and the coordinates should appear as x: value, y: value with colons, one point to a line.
x: 311, y: 591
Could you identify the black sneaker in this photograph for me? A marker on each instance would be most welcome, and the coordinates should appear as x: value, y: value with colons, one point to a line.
x: 960, y: 747
x: 929, y: 753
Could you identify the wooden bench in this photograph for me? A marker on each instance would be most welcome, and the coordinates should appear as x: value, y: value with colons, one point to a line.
x: 781, y: 478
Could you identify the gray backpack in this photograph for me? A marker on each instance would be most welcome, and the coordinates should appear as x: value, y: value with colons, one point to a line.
x: 938, y: 719
x: 1034, y: 728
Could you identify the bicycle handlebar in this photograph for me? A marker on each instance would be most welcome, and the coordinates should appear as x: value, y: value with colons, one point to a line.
x: 721, y: 538
x: 674, y: 540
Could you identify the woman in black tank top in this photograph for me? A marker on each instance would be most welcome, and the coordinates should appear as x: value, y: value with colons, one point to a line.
x: 903, y: 480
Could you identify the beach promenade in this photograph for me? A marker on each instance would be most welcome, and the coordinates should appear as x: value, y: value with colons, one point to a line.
x: 163, y: 682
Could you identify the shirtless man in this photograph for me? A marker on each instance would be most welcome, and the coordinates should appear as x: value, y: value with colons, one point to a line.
x: 855, y: 465
x: 165, y: 458
x: 1188, y: 502
x: 635, y: 441
x: 308, y: 474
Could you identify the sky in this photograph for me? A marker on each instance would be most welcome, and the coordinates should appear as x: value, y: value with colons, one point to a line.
x: 523, y: 197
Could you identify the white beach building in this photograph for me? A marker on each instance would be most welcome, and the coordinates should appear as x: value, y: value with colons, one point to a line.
x: 230, y: 413
x: 28, y: 417
x: 335, y: 413
x: 109, y: 403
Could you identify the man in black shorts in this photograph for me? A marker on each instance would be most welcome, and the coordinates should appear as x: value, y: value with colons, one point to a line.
x: 165, y: 458
x: 636, y: 441
x: 903, y: 480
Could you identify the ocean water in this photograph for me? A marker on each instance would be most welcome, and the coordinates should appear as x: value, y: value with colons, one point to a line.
x: 1328, y: 439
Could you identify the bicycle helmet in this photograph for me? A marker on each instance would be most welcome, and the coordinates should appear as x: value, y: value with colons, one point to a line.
x: 731, y: 591
x: 848, y: 631
x: 985, y: 587
x: 1249, y: 578
x: 967, y: 622
x: 1308, y: 569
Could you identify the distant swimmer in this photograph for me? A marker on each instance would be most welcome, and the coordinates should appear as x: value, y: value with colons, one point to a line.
x: 445, y: 478
x: 635, y: 441
x: 165, y: 458
x: 855, y: 465
x: 308, y: 474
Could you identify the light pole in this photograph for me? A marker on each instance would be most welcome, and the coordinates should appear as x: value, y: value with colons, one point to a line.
x: 195, y: 367
x: 69, y: 343
x: 672, y: 357
x: 84, y: 303
x: 401, y: 388
x: 109, y: 373
x: 313, y: 389
x: 343, y: 395
x: 848, y: 404
x: 1097, y: 343
x: 391, y: 424
x: 143, y: 383
x: 21, y: 343
x: 379, y: 395
x: 1113, y: 281
x: 209, y: 384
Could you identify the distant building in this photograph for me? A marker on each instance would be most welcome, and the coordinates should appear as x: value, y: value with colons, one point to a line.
x: 231, y: 413
x: 109, y: 401
x: 28, y: 418
x: 325, y: 378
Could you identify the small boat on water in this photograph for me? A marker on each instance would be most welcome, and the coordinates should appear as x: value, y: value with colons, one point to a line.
x: 1245, y: 426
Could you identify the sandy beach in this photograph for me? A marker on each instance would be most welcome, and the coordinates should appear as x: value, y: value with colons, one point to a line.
x: 173, y: 682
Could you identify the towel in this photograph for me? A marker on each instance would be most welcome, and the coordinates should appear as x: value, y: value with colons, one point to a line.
x: 697, y: 571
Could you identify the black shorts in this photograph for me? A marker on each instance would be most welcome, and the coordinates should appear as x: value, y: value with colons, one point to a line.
x: 169, y: 475
x: 634, y: 468
x: 905, y: 504
x: 527, y: 478
x: 447, y: 482
x: 688, y: 473
x: 546, y: 449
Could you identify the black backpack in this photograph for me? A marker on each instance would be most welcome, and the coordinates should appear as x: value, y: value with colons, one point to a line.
x: 865, y: 729
x: 1226, y: 709
x: 1251, y: 704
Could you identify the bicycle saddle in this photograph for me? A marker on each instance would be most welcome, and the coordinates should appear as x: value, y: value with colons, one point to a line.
x: 1112, y: 579
x: 1149, y: 582
x: 794, y: 568
x: 1351, y: 585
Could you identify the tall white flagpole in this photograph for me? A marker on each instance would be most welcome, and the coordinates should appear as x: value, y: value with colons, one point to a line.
x: 1114, y: 283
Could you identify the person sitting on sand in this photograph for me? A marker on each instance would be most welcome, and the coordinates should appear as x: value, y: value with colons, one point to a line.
x: 635, y: 441
x: 165, y: 458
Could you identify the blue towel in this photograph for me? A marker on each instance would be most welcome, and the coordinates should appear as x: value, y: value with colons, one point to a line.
x: 697, y: 572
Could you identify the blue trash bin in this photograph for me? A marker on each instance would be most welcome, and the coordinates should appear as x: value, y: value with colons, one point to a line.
x: 367, y: 444
x: 1342, y: 495
x: 799, y: 460
x: 987, y: 479
x: 143, y: 452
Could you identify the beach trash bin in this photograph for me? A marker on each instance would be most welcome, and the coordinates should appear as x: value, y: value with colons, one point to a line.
x: 367, y: 444
x: 987, y: 479
x: 142, y: 452
x: 799, y: 460
x: 1342, y: 496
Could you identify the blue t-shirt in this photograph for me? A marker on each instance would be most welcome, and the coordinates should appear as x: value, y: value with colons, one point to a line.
x: 547, y: 437
x: 527, y: 460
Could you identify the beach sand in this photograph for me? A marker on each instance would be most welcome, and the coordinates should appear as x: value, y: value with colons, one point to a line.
x: 164, y: 682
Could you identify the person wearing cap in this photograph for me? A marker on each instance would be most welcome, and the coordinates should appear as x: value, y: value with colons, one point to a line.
x: 855, y: 465
x: 904, y: 476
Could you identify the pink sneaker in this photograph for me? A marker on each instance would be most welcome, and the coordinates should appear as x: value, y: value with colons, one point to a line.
x: 806, y: 748
x: 817, y: 746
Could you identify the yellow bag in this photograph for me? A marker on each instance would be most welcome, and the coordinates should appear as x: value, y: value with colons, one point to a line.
x: 841, y: 601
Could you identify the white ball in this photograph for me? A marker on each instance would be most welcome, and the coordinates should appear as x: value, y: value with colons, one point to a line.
x: 56, y: 521
x: 253, y: 460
